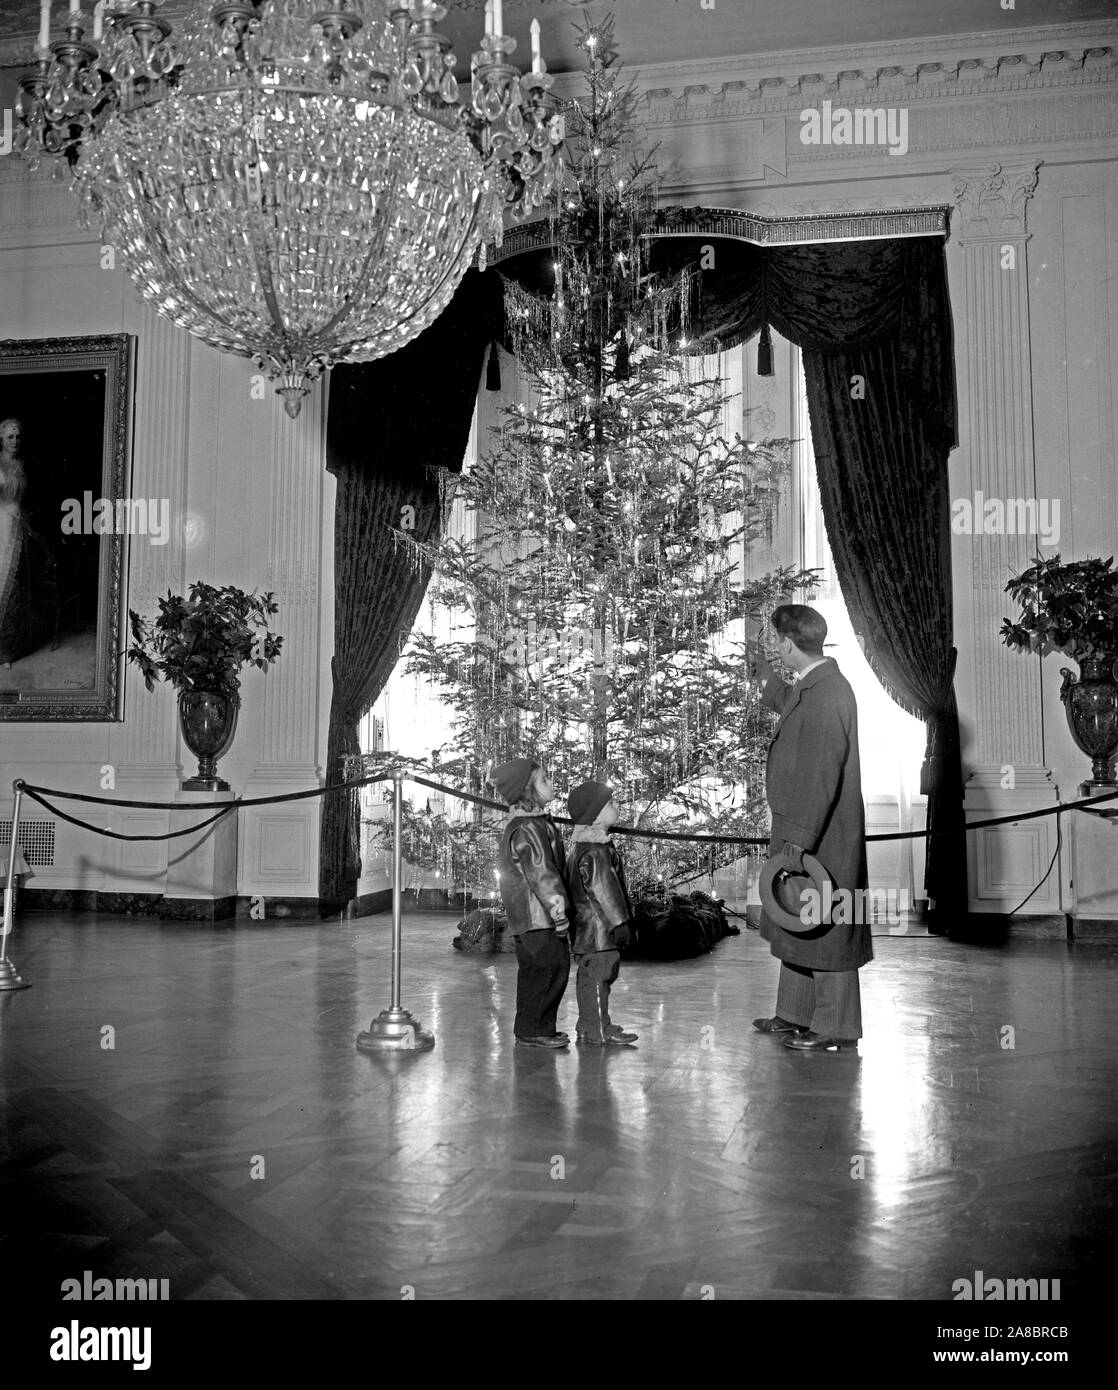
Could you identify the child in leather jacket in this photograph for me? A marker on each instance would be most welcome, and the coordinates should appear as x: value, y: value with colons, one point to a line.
x: 532, y: 868
x: 600, y: 910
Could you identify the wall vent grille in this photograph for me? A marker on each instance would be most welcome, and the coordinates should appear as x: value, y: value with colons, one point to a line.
x: 36, y: 839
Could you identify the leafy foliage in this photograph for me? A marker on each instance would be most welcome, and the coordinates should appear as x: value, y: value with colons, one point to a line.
x: 202, y: 641
x: 1070, y: 607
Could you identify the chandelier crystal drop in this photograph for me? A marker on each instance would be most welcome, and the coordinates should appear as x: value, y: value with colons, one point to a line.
x: 296, y: 181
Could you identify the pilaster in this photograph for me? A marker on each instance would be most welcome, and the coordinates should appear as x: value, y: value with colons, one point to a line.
x: 1004, y: 743
x: 279, y: 844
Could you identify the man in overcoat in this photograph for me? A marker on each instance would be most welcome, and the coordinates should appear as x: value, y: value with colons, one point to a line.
x: 814, y: 789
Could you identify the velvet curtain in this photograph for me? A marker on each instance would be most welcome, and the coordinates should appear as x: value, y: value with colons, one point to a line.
x: 391, y: 425
x: 873, y: 321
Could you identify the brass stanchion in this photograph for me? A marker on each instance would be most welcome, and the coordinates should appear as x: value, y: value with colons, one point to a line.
x: 395, y: 1029
x: 9, y: 976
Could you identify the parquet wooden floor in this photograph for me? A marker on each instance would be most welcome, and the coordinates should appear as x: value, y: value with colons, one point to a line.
x: 233, y: 1141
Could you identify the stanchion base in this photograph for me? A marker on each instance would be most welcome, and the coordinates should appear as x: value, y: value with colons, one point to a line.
x: 395, y: 1030
x: 9, y: 979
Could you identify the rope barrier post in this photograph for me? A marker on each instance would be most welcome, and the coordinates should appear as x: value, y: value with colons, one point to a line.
x: 394, y: 1029
x: 9, y: 976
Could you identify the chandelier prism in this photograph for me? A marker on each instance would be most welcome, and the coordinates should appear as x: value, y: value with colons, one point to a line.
x: 295, y: 181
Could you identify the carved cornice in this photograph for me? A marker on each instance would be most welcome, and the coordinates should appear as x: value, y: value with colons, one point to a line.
x: 917, y: 66
x: 992, y: 198
x: 919, y: 86
x: 757, y: 229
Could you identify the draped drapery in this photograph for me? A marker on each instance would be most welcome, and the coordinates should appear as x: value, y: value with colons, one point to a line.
x: 872, y: 319
x: 392, y: 424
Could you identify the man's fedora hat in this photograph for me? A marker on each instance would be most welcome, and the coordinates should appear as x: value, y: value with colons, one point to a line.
x: 783, y: 887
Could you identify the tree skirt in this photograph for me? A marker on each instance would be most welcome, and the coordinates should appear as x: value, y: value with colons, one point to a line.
x: 668, y: 928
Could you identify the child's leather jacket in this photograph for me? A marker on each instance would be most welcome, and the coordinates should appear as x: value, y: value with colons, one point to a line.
x: 532, y: 866
x: 599, y: 898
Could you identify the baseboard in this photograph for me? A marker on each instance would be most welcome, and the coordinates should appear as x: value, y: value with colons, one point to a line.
x: 1094, y: 928
x: 160, y: 908
x: 195, y: 909
x: 426, y: 900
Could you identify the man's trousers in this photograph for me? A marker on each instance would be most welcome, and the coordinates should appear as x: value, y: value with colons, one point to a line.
x: 829, y: 1002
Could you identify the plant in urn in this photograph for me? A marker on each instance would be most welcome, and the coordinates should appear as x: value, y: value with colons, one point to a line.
x: 1073, y: 608
x: 200, y: 643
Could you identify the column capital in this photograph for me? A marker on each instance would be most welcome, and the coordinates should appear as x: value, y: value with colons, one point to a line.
x: 991, y: 198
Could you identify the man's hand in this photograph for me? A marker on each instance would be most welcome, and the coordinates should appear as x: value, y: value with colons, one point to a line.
x: 760, y: 669
x: 794, y: 854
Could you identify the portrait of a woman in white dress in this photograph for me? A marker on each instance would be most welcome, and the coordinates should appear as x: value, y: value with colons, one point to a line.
x: 23, y: 554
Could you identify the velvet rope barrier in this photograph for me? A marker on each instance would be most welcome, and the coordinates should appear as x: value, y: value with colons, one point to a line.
x: 395, y: 1029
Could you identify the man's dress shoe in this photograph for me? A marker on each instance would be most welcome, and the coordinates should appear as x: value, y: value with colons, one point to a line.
x: 816, y: 1042
x: 558, y: 1040
x: 777, y: 1025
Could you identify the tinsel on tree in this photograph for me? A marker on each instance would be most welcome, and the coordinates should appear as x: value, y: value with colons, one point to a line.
x: 603, y: 620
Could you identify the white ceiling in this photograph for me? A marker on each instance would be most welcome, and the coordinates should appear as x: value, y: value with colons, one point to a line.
x: 655, y: 31
x: 658, y: 31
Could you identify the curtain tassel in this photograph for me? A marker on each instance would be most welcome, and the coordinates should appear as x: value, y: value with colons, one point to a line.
x: 493, y: 370
x: 765, y: 353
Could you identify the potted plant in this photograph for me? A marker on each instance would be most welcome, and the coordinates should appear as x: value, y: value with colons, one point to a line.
x: 1073, y: 608
x: 199, y: 644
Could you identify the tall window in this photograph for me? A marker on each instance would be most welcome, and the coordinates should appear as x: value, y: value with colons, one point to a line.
x: 891, y: 741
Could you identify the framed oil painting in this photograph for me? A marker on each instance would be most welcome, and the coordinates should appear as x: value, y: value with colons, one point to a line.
x: 65, y: 447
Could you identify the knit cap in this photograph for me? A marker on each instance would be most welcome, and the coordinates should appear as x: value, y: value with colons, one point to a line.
x: 510, y: 779
x: 587, y: 800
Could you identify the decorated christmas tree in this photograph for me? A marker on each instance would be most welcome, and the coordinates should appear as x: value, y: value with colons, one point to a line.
x: 604, y: 623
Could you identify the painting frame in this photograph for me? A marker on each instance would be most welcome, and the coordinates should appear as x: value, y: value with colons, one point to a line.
x: 76, y: 395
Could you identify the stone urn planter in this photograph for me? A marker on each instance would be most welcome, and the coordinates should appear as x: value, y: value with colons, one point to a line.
x: 208, y: 721
x: 200, y: 643
x: 1091, y: 704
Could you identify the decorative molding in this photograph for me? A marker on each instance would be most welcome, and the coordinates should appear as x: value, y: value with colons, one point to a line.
x: 888, y: 86
x: 294, y: 582
x: 35, y: 200
x: 992, y: 198
x: 998, y: 876
x: 801, y: 208
x: 982, y: 58
x: 791, y: 230
x: 757, y: 228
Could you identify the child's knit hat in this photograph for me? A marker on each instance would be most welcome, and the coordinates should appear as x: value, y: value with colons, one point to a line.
x: 511, y: 778
x: 587, y: 800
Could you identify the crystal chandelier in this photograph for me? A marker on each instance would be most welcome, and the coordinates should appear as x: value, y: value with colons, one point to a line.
x: 296, y: 181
